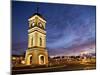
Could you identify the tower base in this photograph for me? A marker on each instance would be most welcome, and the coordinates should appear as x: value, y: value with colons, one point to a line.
x: 36, y: 56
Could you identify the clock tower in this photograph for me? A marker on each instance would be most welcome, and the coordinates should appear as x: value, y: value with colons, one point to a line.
x: 36, y: 54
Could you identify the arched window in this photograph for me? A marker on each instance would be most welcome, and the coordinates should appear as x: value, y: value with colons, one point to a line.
x: 31, y: 60
x: 32, y: 41
x: 41, y: 59
x: 40, y: 41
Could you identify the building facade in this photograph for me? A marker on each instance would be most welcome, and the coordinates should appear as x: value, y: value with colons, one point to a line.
x: 36, y: 54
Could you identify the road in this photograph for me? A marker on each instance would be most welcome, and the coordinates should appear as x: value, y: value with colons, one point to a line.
x: 71, y: 67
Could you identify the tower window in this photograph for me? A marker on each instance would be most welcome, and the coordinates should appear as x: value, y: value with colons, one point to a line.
x: 32, y: 41
x: 40, y: 41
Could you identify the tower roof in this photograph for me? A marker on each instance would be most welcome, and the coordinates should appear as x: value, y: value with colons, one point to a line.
x: 38, y: 15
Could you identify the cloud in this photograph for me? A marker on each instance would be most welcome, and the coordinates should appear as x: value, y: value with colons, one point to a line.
x: 73, y: 49
x: 69, y: 30
x: 19, y: 48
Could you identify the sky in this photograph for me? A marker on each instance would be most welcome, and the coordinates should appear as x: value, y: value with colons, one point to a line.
x: 71, y: 29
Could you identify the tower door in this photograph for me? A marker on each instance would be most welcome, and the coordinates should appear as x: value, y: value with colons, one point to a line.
x: 41, y: 59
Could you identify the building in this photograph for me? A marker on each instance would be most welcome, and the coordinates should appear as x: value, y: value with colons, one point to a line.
x: 36, y: 54
x: 17, y: 59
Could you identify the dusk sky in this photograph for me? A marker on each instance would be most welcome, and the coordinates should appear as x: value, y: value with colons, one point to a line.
x: 70, y: 28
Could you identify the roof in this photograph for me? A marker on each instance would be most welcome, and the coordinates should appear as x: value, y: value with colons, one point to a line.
x: 38, y: 15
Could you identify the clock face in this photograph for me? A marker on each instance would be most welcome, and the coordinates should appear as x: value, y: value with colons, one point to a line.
x: 40, y: 24
x: 33, y: 24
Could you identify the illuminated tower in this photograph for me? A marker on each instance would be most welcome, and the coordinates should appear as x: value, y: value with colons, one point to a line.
x: 36, y: 54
